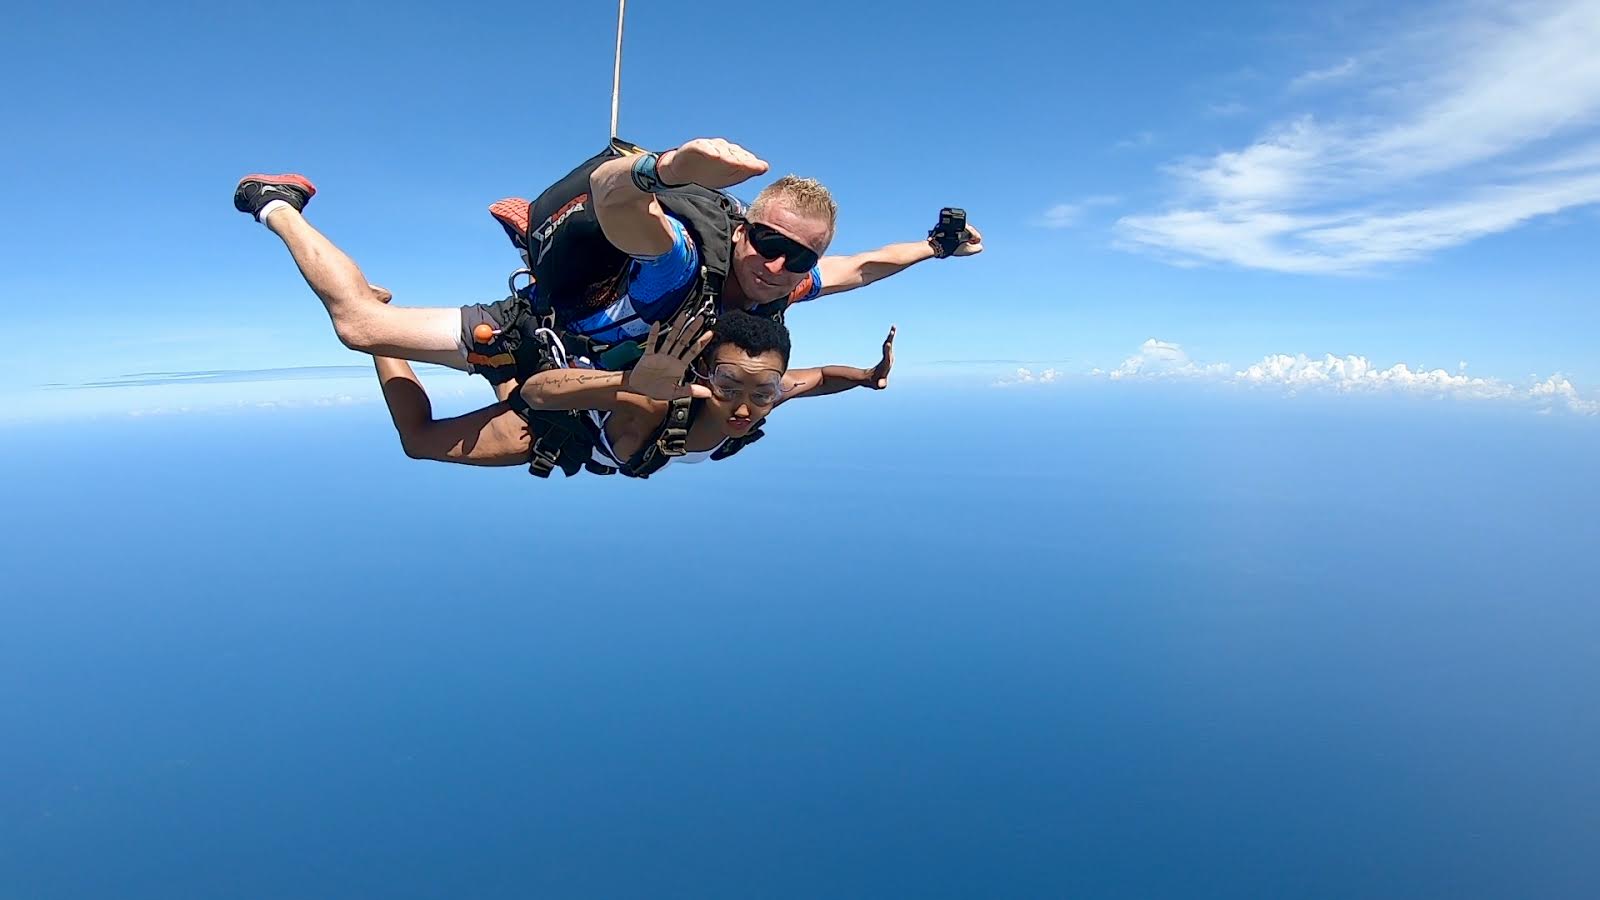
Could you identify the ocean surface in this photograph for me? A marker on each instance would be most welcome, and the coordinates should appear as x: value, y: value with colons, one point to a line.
x: 1104, y: 641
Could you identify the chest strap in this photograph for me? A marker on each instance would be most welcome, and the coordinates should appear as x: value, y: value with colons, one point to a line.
x: 558, y: 439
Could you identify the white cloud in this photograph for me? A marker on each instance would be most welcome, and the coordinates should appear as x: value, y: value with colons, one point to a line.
x: 1347, y: 374
x: 1028, y: 376
x: 1579, y: 159
x: 1558, y: 389
x: 185, y: 393
x: 1317, y: 77
x: 1466, y: 129
x: 1066, y: 215
x: 1357, y: 373
x: 1062, y: 215
x: 1257, y: 236
x: 1135, y: 142
x: 1280, y: 167
x: 1160, y: 359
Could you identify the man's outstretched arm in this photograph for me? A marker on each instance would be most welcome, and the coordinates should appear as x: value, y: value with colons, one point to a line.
x: 846, y: 273
x: 630, y: 216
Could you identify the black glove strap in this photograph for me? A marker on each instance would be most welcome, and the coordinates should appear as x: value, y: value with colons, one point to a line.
x: 646, y: 176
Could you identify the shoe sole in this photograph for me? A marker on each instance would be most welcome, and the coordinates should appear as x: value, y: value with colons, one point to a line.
x: 299, y: 181
x: 513, y: 211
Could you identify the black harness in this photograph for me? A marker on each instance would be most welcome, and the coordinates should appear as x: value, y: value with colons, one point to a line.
x: 564, y: 440
x: 573, y: 271
x: 672, y: 438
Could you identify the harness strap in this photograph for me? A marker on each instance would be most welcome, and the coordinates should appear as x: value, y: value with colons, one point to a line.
x: 670, y: 440
x: 559, y: 439
x: 734, y: 445
x: 773, y: 310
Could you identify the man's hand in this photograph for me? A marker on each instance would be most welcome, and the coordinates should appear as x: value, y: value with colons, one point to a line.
x: 879, y: 377
x: 709, y: 162
x: 659, y: 372
x: 972, y: 246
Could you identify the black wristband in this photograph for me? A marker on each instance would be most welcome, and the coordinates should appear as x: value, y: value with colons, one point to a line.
x: 646, y: 177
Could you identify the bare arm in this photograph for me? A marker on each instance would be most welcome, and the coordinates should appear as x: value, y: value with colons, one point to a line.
x: 846, y: 273
x: 820, y: 382
x: 823, y: 380
x: 658, y: 374
x: 491, y: 436
x: 631, y: 218
x: 632, y: 415
x: 573, y: 389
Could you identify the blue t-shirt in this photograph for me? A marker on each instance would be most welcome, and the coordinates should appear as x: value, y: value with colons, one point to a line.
x: 657, y: 286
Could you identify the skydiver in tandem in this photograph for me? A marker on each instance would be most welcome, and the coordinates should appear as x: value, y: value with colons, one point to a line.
x: 623, y: 243
x: 687, y: 399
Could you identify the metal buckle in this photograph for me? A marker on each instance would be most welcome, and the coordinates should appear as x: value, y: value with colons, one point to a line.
x: 511, y: 282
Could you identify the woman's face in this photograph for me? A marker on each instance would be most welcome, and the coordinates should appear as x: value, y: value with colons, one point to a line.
x: 744, y: 388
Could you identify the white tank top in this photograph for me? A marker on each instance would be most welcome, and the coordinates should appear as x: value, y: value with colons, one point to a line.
x: 604, y: 455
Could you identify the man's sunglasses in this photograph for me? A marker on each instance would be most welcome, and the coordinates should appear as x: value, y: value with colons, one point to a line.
x: 772, y: 243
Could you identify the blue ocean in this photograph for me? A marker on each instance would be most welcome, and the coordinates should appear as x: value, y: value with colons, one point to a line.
x: 1088, y: 641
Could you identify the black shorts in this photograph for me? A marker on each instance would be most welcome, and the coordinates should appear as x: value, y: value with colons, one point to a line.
x: 510, y: 355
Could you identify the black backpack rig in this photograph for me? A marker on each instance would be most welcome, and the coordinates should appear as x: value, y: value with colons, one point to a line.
x: 571, y: 271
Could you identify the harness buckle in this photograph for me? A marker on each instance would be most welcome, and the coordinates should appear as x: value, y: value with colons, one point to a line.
x: 540, y: 462
x: 511, y: 282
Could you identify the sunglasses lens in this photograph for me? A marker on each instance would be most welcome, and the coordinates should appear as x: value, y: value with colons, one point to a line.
x: 727, y: 386
x: 800, y: 262
x: 797, y: 257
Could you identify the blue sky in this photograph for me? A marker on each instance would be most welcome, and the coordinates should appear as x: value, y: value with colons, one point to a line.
x: 1210, y: 539
x: 1166, y: 189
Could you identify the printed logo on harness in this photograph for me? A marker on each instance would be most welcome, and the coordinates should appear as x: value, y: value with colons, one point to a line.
x: 543, y: 232
x: 494, y: 361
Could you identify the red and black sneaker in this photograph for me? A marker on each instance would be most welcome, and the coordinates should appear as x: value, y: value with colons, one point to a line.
x: 256, y: 191
x: 512, y: 214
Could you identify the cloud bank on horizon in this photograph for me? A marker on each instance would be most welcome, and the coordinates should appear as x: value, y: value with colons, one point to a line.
x: 178, y: 393
x: 1158, y: 360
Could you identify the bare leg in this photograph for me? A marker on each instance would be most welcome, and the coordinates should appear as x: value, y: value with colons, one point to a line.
x: 362, y: 321
x: 492, y: 436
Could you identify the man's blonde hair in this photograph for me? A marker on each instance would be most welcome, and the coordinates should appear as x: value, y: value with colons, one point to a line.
x: 806, y: 196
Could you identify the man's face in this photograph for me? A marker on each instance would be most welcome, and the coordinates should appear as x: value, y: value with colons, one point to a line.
x: 775, y: 241
x: 744, y: 388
